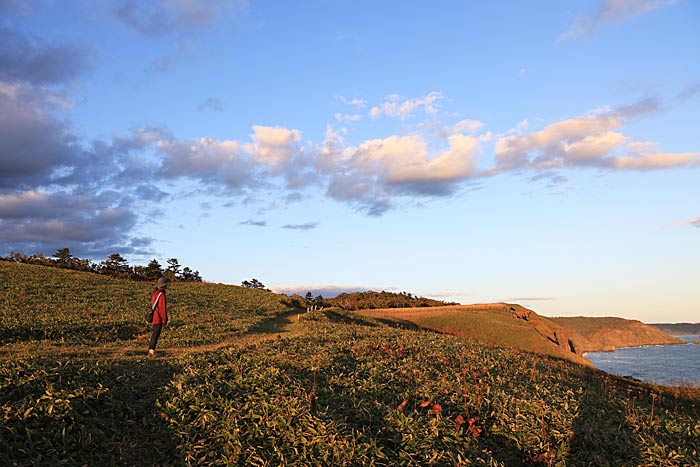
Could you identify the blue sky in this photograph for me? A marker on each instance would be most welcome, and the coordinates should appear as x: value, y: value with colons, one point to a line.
x: 544, y: 153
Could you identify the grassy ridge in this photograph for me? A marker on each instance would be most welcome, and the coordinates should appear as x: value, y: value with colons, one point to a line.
x: 346, y: 390
x: 70, y: 307
x: 491, y: 324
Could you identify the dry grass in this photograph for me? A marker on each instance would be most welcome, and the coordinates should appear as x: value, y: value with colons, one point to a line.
x: 493, y: 324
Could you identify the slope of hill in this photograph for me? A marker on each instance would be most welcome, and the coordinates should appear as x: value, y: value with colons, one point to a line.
x: 71, y: 307
x: 492, y: 323
x: 341, y: 390
x: 373, y: 300
x: 604, y: 334
x: 679, y: 329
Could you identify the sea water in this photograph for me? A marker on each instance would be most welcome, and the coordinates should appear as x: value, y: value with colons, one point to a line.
x: 670, y: 365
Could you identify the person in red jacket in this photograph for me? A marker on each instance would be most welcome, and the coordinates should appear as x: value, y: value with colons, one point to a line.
x: 160, y: 312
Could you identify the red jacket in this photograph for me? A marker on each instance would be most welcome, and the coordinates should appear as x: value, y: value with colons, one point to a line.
x: 160, y: 314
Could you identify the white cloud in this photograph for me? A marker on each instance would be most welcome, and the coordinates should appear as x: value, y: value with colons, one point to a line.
x: 375, y: 173
x: 206, y: 158
x: 397, y: 106
x: 577, y: 141
x: 694, y: 222
x: 273, y: 154
x: 611, y: 11
x: 406, y: 159
x: 646, y: 156
x: 520, y: 128
x: 273, y: 146
x: 467, y: 126
x: 591, y: 140
x: 355, y: 102
x: 332, y: 151
x: 346, y: 118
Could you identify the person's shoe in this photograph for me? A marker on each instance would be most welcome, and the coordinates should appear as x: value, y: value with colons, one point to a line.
x: 151, y: 352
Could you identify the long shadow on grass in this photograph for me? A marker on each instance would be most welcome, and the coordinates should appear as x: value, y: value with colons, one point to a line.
x: 88, y: 412
x: 70, y: 334
x: 601, y: 434
x: 347, y: 318
x: 399, y: 323
x: 278, y: 324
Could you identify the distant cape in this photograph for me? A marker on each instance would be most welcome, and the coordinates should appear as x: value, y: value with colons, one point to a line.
x: 679, y: 329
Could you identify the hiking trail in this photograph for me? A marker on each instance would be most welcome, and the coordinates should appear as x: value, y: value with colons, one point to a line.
x: 283, y: 325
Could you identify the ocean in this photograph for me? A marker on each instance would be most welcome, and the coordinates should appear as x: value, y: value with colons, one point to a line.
x: 670, y: 365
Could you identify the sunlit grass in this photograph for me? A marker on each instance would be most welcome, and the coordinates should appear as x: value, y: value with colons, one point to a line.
x: 492, y: 324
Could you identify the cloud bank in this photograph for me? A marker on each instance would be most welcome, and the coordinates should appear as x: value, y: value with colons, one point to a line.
x: 57, y: 188
x: 327, y: 291
x: 46, y: 166
x: 594, y: 140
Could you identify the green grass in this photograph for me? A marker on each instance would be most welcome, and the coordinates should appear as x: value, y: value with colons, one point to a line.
x: 345, y: 390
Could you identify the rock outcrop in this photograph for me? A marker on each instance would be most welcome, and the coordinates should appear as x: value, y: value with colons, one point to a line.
x: 607, y: 334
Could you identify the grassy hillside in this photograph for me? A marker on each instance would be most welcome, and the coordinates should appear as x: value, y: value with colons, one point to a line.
x: 492, y: 324
x: 70, y: 307
x: 611, y: 333
x: 342, y: 390
x: 372, y: 300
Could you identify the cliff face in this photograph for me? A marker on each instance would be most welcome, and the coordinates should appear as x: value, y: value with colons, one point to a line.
x: 607, y: 334
x: 512, y: 325
x: 567, y: 338
x: 584, y: 334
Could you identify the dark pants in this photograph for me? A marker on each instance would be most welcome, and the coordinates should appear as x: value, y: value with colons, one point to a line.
x: 154, y: 337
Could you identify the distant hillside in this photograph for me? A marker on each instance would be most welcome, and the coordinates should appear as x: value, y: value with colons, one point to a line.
x: 498, y: 324
x: 603, y: 334
x: 371, y: 300
x: 679, y: 329
x: 511, y: 325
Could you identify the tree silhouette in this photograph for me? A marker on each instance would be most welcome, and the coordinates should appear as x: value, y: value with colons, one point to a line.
x: 63, y: 255
x: 174, y: 266
x: 253, y: 284
x: 116, y: 265
x: 153, y: 271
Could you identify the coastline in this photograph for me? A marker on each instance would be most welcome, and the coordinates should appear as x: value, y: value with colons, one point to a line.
x: 664, y: 364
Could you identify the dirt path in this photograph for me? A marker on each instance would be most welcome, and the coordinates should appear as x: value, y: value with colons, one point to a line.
x: 284, y: 325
